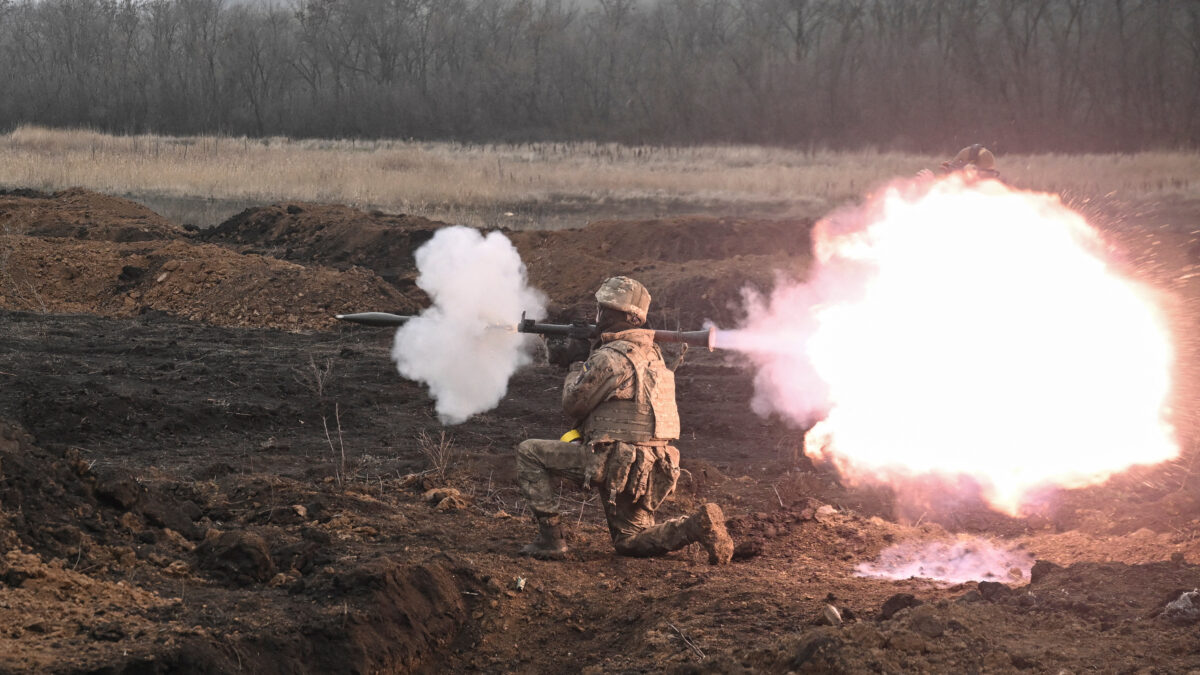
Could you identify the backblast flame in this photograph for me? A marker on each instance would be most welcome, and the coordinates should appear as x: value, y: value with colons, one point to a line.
x: 964, y: 329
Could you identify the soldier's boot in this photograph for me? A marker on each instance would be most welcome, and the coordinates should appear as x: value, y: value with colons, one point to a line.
x: 549, y: 544
x: 707, y: 526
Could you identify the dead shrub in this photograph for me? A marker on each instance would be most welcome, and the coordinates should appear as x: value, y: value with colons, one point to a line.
x: 438, y: 451
x: 316, y: 377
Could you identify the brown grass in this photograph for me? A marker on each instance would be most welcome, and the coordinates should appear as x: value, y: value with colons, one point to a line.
x: 524, y: 185
x: 440, y: 452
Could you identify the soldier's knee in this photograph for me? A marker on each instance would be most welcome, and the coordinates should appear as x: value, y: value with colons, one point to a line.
x: 526, y: 449
x: 634, y: 545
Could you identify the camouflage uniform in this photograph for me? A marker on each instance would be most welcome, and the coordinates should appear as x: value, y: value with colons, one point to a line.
x: 624, y: 400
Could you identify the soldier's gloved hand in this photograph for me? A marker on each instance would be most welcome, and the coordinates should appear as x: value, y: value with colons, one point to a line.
x: 562, y: 351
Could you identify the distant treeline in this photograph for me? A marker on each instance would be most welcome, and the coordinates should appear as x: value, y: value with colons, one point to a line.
x: 1020, y: 75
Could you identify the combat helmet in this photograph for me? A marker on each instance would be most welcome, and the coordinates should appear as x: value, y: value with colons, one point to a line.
x: 977, y: 156
x: 625, y: 295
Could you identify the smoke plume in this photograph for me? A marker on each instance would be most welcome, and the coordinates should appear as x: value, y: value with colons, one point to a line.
x: 464, y: 346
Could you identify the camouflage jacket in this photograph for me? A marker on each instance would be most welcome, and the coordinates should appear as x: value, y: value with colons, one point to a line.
x: 623, y: 392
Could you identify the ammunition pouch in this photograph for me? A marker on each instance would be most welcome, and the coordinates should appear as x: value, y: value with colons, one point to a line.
x: 647, y: 474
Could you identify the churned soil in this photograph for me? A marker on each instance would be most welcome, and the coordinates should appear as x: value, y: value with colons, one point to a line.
x: 201, y: 472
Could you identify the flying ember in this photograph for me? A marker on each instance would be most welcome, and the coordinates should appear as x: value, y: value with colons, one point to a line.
x: 965, y: 329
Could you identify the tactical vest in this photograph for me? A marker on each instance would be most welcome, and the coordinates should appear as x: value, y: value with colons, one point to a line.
x: 650, y: 416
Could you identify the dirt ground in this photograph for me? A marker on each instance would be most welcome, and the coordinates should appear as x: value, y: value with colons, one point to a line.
x: 200, y: 471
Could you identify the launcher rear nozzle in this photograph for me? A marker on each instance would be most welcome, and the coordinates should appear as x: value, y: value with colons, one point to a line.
x: 706, y: 338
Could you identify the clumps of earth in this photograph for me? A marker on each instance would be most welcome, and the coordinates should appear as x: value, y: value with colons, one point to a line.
x: 99, y: 563
x: 201, y: 471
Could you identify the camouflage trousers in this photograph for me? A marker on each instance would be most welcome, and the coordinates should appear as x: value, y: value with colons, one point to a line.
x: 630, y: 520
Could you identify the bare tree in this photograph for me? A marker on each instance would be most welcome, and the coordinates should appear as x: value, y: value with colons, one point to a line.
x: 918, y: 74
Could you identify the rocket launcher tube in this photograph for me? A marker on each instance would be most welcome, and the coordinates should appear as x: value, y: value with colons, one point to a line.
x: 583, y: 331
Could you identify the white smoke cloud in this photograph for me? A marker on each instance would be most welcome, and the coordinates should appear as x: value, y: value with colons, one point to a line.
x: 954, y: 562
x: 464, y: 346
x: 775, y: 337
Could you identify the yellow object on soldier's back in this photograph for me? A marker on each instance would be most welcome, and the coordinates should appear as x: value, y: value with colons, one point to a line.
x: 571, y: 436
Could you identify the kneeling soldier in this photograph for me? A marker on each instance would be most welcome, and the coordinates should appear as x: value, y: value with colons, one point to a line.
x: 623, y: 401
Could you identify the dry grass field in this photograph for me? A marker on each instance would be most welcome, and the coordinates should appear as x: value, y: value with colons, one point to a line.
x: 541, y: 185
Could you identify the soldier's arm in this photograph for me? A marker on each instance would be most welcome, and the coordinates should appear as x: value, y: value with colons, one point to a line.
x: 595, y: 381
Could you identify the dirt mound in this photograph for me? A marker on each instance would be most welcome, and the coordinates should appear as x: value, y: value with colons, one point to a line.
x: 684, y: 293
x: 330, y: 235
x: 696, y: 267
x: 82, y: 214
x: 56, y: 505
x: 67, y: 536
x: 407, y: 612
x: 196, y: 281
x: 680, y: 239
x: 89, y: 559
